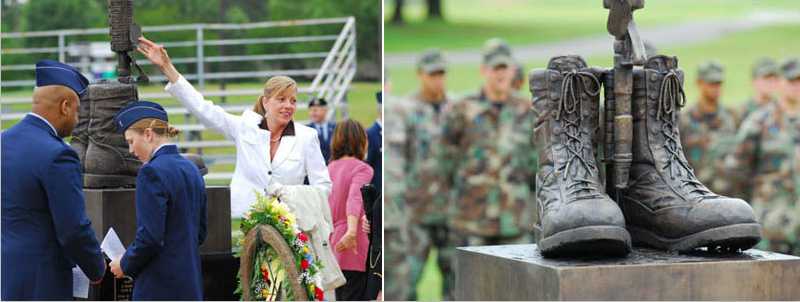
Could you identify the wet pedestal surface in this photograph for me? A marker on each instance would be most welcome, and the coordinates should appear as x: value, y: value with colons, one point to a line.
x: 519, y: 272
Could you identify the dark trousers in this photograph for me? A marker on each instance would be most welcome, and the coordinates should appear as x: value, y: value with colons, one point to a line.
x: 355, y: 287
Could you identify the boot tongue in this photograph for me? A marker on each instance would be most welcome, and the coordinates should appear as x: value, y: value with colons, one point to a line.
x: 577, y: 88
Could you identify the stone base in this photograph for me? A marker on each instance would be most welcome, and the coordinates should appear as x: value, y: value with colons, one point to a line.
x: 519, y: 272
x: 117, y: 208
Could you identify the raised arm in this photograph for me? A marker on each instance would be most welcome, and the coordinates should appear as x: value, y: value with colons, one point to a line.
x: 210, y: 115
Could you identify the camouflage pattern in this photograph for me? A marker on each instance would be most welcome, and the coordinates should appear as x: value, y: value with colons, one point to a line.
x: 396, y: 248
x: 432, y: 60
x: 487, y: 162
x: 496, y: 52
x: 711, y: 72
x: 706, y: 138
x: 421, y: 127
x: 425, y: 200
x: 766, y: 151
x: 750, y: 105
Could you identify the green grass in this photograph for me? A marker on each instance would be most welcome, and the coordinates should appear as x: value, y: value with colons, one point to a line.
x: 736, y: 51
x: 468, y: 23
x: 361, y: 106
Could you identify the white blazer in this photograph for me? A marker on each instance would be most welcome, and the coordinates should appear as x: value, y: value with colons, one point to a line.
x: 298, y: 156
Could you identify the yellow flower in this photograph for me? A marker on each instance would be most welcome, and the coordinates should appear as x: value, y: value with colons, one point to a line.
x: 305, y: 249
x: 264, y: 293
x: 290, y: 218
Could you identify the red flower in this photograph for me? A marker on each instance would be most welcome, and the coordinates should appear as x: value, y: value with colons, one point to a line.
x: 319, y: 294
x: 304, y: 264
x: 265, y: 274
x: 302, y: 237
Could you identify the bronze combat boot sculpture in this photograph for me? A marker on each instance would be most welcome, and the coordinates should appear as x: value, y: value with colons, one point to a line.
x: 574, y: 212
x: 662, y: 203
x: 103, y: 152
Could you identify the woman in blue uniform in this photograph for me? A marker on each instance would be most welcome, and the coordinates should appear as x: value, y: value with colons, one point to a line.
x: 164, y: 259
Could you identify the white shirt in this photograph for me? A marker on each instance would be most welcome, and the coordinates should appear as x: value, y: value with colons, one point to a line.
x: 45, y: 121
x: 297, y: 156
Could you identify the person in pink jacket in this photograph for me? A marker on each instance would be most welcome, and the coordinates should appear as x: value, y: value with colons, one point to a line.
x: 348, y: 173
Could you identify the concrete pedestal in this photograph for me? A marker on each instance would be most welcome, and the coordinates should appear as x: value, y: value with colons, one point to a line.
x: 117, y: 208
x: 519, y: 272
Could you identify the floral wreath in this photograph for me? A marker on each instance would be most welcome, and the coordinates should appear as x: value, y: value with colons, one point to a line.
x: 267, y: 280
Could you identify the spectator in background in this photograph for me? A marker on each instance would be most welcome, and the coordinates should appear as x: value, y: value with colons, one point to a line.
x: 349, y: 173
x: 375, y: 152
x: 766, y: 83
x: 318, y: 113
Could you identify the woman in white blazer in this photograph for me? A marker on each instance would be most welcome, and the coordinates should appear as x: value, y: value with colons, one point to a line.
x: 272, y: 150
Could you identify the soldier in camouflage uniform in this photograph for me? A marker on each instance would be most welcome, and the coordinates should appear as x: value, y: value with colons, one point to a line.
x: 487, y: 160
x: 707, y: 130
x: 418, y: 136
x: 766, y: 80
x: 396, y: 250
x: 767, y: 149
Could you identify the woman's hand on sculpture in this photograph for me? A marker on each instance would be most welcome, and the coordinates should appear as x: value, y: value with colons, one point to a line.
x: 157, y: 54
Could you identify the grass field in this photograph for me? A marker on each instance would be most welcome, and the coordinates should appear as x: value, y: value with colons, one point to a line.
x: 361, y: 107
x: 468, y: 23
x: 736, y: 51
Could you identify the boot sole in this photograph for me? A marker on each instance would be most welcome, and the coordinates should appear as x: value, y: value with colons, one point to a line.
x: 726, y: 238
x: 108, y: 181
x: 585, y: 241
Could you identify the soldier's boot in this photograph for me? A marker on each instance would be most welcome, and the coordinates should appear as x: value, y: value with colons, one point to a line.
x: 80, y: 135
x: 665, y: 205
x: 107, y: 162
x: 575, y: 216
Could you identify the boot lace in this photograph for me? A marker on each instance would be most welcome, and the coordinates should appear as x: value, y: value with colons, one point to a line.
x: 572, y: 87
x: 671, y: 97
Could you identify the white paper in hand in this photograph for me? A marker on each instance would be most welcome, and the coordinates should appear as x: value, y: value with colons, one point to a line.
x: 112, y: 246
x: 80, y: 283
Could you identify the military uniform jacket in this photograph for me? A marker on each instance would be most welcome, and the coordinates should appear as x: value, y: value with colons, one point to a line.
x: 164, y: 258
x: 374, y: 152
x: 488, y: 162
x: 766, y: 153
x: 45, y: 230
x: 324, y: 142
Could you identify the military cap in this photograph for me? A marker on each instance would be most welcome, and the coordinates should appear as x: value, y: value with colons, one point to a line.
x: 765, y: 67
x: 790, y: 69
x: 432, y: 60
x: 711, y: 72
x: 497, y: 52
x: 316, y: 101
x: 136, y: 111
x: 49, y: 72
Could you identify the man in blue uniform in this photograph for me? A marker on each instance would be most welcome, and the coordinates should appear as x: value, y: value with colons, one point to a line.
x: 318, y: 113
x: 375, y: 148
x: 171, y: 212
x: 45, y: 229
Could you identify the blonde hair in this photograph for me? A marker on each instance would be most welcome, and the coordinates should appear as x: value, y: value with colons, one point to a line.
x: 158, y: 126
x: 274, y: 86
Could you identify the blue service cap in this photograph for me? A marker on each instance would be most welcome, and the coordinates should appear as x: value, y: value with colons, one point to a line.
x: 49, y: 72
x: 136, y: 111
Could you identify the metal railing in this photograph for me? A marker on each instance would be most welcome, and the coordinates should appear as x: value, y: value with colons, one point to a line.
x: 330, y: 69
